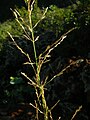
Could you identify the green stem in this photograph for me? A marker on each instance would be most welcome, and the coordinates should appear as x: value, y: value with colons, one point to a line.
x: 44, y: 104
x: 33, y: 40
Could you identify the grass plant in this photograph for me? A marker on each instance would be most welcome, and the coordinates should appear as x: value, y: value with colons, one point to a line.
x: 39, y: 85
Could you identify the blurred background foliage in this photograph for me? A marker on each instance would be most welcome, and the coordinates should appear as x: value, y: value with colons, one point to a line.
x: 58, y: 19
x: 61, y: 16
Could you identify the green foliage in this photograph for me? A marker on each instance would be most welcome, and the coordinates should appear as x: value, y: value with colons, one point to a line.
x: 82, y: 13
x: 16, y: 91
x: 58, y: 17
x: 11, y: 26
x: 16, y: 80
x: 57, y: 20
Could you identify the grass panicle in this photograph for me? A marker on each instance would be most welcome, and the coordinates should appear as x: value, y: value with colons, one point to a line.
x: 40, y: 105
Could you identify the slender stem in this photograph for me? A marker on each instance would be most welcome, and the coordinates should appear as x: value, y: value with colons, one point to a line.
x: 32, y: 32
x: 44, y: 104
x: 33, y: 40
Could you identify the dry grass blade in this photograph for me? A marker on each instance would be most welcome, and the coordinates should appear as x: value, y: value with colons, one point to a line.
x: 28, y: 63
x: 77, y: 110
x: 31, y: 81
x: 51, y: 115
x: 26, y: 54
x: 37, y: 111
x: 37, y: 38
x: 43, y: 16
x: 55, y: 44
x: 35, y: 108
x: 17, y: 44
x: 32, y: 4
x: 54, y: 105
x: 59, y: 118
x: 18, y: 17
x: 62, y: 71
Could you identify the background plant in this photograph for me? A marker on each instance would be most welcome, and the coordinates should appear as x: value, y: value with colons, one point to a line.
x: 38, y: 84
